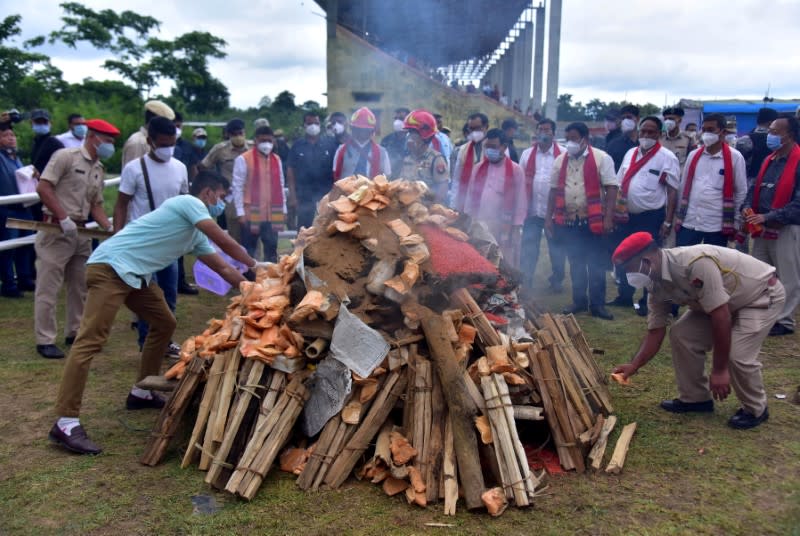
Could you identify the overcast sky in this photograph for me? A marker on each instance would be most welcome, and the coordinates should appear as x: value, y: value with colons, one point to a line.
x: 615, y: 49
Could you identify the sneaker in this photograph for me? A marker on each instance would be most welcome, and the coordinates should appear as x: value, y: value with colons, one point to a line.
x: 134, y: 402
x: 173, y: 350
x: 744, y: 420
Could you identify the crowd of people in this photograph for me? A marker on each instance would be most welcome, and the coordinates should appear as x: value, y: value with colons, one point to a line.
x: 652, y: 179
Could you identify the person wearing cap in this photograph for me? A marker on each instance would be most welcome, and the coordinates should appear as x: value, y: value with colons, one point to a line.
x: 733, y: 300
x: 136, y: 145
x: 713, y: 187
x: 71, y: 189
x: 441, y: 141
x: 258, y: 184
x: 580, y: 212
x: 309, y: 171
x: 360, y: 155
x: 196, y: 152
x: 509, y: 128
x: 468, y: 156
x: 120, y: 273
x: 774, y: 216
x: 495, y: 195
x: 220, y: 159
x: 44, y: 143
x: 628, y: 138
x: 612, y: 127
x: 537, y: 162
x: 73, y: 137
x: 395, y: 142
x: 423, y: 162
x: 260, y: 122
x: 674, y: 139
x: 649, y: 178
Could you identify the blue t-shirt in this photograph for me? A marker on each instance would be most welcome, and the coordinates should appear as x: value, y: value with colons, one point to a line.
x: 154, y: 241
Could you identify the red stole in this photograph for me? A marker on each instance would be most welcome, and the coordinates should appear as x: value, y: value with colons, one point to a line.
x: 509, y: 192
x: 436, y: 144
x: 374, y: 159
x: 728, y: 208
x: 263, y: 192
x: 621, y: 210
x: 591, y: 184
x: 466, y: 173
x: 784, y: 188
x: 530, y: 168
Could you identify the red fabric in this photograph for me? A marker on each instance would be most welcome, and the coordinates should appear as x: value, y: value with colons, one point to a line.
x: 466, y: 173
x: 374, y: 159
x: 509, y: 192
x: 631, y: 246
x: 530, y: 168
x: 436, y: 144
x: 784, y: 188
x: 591, y: 184
x: 454, y: 257
x: 727, y: 191
x: 103, y: 127
x: 636, y: 166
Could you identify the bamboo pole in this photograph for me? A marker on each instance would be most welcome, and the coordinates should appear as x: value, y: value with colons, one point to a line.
x: 217, y: 366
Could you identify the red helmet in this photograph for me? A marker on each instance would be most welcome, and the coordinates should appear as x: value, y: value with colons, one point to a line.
x: 421, y: 121
x: 363, y: 118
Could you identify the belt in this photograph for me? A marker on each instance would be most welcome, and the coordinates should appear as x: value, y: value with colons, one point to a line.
x: 47, y: 218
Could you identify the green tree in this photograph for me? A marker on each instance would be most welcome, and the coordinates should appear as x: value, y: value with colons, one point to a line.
x: 283, y: 102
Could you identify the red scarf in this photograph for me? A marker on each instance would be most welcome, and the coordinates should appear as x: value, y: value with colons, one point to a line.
x: 263, y: 191
x: 728, y: 208
x: 530, y: 168
x: 784, y: 188
x: 591, y: 184
x: 509, y: 192
x: 374, y: 159
x: 621, y: 209
x: 436, y: 144
x: 466, y: 173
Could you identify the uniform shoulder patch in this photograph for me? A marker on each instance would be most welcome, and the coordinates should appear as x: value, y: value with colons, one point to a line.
x: 441, y: 166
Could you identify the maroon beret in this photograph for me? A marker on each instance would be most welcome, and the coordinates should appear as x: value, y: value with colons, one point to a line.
x: 631, y: 246
x: 103, y: 127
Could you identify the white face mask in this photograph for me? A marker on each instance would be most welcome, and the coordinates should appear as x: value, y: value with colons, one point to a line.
x: 177, y: 132
x: 338, y: 128
x: 730, y: 139
x: 164, y: 153
x: 476, y: 136
x: 574, y: 148
x: 397, y: 125
x: 312, y: 129
x: 670, y: 124
x: 627, y: 125
x: 709, y: 138
x: 265, y: 147
x: 646, y: 143
x: 639, y: 280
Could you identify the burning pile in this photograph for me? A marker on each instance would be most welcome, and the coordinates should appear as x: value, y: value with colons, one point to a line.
x: 371, y: 333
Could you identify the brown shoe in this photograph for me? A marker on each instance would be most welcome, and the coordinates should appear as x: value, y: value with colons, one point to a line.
x: 77, y: 441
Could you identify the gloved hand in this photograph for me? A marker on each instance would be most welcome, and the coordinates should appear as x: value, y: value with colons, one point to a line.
x: 69, y: 227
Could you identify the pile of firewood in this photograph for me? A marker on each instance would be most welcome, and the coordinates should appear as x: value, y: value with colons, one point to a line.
x: 452, y: 367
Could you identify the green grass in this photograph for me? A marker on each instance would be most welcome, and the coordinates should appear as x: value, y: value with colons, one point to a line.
x: 742, y: 482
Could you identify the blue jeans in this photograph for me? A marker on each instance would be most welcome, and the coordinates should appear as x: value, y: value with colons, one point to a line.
x: 532, y: 232
x: 168, y: 281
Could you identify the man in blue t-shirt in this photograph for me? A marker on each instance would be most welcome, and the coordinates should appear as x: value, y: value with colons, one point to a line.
x: 120, y: 272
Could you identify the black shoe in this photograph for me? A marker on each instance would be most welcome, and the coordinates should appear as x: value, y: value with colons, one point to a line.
x: 173, y: 350
x: 49, y: 351
x: 69, y: 340
x: 641, y: 310
x: 12, y: 292
x: 601, y: 312
x: 77, y: 441
x: 619, y: 301
x: 28, y: 285
x: 678, y: 406
x: 134, y: 402
x: 186, y: 288
x: 574, y: 309
x: 743, y: 420
x: 779, y: 330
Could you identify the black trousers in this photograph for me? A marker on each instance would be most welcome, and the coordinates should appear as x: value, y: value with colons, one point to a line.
x: 690, y: 237
x: 649, y: 221
x: 532, y: 232
x: 268, y: 237
x: 588, y: 260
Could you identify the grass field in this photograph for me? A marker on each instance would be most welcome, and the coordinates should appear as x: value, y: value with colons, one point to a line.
x: 684, y: 474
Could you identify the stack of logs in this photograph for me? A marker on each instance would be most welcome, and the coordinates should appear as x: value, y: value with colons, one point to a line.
x: 448, y: 395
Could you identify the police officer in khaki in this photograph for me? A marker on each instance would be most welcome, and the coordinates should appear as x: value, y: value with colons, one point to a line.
x: 733, y: 299
x: 220, y: 159
x: 674, y: 139
x: 423, y: 162
x: 136, y: 145
x: 71, y: 189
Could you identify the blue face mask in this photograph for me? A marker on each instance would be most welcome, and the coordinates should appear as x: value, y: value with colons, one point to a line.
x: 773, y: 142
x: 494, y: 155
x: 41, y: 130
x: 200, y: 143
x: 80, y: 131
x: 216, y: 210
x: 105, y: 151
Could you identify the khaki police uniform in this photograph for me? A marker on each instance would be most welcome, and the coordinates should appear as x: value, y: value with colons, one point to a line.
x: 430, y: 168
x: 135, y: 146
x: 78, y: 185
x: 680, y: 145
x: 221, y: 158
x: 705, y: 277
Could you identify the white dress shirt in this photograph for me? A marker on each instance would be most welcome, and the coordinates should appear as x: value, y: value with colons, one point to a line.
x: 68, y: 140
x: 537, y: 204
x: 646, y: 191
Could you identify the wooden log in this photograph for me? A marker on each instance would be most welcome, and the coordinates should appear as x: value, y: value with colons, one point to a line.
x: 486, y: 332
x: 237, y: 415
x: 474, y: 393
x: 599, y: 448
x: 563, y: 365
x: 449, y: 471
x: 621, y: 449
x: 433, y: 472
x: 513, y: 482
x: 225, y: 396
x: 590, y: 436
x: 217, y: 366
x: 521, y: 457
x: 393, y: 387
x: 276, y: 385
x: 170, y: 417
x: 343, y: 433
x: 462, y: 409
x: 306, y: 478
x: 207, y: 451
x: 528, y: 413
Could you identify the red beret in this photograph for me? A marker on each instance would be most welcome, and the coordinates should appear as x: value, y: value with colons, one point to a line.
x: 631, y: 246
x: 103, y: 127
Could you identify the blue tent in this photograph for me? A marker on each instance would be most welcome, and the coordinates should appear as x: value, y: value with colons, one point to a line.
x: 745, y: 111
